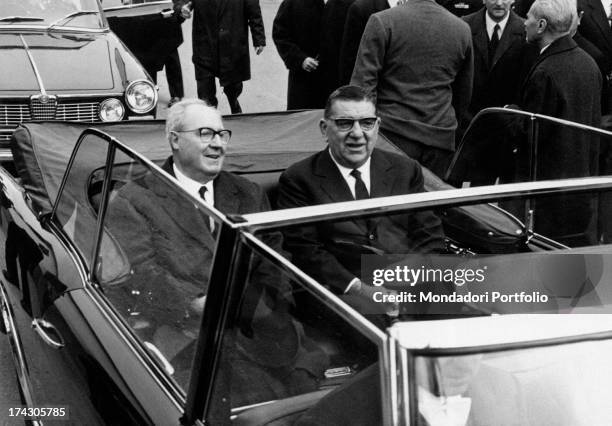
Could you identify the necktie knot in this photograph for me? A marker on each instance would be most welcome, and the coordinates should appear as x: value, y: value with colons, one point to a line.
x: 356, y: 174
x: 202, y: 192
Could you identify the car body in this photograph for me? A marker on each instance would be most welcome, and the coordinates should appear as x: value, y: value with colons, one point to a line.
x: 62, y: 62
x: 88, y: 333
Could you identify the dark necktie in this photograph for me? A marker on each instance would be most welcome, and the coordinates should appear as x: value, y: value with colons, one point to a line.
x: 210, y: 224
x: 493, y: 43
x: 361, y: 192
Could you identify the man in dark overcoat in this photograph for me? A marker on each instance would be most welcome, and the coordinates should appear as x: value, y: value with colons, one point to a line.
x: 595, y: 28
x: 551, y: 89
x: 502, y: 58
x: 220, y: 45
x: 421, y: 76
x: 297, y: 35
x: 354, y: 25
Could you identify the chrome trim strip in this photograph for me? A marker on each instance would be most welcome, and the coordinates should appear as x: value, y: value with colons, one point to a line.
x: 93, y: 95
x: 346, y: 312
x: 510, y: 111
x: 21, y: 365
x: 434, y: 199
x: 40, y: 28
x: 34, y: 67
x: 5, y: 154
x: 138, y: 5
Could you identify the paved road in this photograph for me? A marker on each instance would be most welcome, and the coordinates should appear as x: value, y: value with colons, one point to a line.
x: 267, y: 89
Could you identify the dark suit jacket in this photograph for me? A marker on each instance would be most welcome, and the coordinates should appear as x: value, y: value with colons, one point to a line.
x: 356, y: 19
x: 594, y: 25
x: 168, y: 241
x: 331, y: 252
x: 498, y: 83
x: 297, y: 34
x: 220, y: 36
x: 422, y: 75
x: 551, y: 90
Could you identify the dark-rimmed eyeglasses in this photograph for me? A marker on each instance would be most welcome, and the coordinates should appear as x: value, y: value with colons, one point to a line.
x: 346, y: 124
x: 207, y: 134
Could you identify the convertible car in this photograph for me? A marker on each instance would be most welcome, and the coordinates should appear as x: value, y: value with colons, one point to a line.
x: 100, y: 325
x: 61, y: 61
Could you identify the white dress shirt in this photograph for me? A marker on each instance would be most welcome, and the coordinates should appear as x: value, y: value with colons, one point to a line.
x: 606, y: 7
x: 350, y: 180
x: 491, y: 24
x: 193, y: 187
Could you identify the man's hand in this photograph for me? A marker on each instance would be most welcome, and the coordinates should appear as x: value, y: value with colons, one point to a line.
x: 186, y: 11
x: 310, y: 64
x: 367, y: 292
x: 259, y: 49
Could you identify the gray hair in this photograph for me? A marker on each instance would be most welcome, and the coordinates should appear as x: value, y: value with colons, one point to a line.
x: 560, y: 15
x: 174, y: 119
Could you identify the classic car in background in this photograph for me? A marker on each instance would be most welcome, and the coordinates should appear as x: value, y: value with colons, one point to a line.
x: 60, y: 61
x: 93, y: 329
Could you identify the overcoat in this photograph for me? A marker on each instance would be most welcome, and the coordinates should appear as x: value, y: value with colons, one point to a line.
x: 220, y: 36
x: 576, y: 96
x: 297, y: 35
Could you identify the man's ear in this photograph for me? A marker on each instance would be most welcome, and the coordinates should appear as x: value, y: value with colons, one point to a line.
x: 542, y: 24
x: 173, y: 139
x: 323, y: 127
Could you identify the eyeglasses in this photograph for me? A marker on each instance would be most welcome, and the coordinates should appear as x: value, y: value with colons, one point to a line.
x: 346, y: 124
x: 207, y: 134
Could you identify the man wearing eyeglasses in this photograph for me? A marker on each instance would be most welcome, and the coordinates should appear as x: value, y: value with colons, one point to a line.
x: 351, y: 168
x: 170, y: 249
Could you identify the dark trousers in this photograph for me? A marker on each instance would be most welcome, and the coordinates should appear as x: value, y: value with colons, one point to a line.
x: 174, y: 75
x: 207, y: 90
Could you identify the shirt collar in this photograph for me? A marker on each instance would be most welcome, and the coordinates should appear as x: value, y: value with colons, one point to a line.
x: 364, y: 169
x: 392, y: 3
x: 491, y: 24
x: 190, y: 185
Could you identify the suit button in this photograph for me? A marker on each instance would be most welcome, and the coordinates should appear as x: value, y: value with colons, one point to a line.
x: 371, y: 237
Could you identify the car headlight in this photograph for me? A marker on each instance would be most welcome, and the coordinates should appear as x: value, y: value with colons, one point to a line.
x: 111, y: 110
x: 141, y: 96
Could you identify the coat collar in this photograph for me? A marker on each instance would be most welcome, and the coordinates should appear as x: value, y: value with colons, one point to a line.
x: 560, y: 45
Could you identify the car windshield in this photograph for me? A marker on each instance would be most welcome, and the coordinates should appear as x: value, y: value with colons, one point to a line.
x: 56, y: 13
x: 563, y: 384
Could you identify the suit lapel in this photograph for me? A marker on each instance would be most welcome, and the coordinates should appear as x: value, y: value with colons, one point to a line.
x: 481, y: 39
x: 191, y: 222
x: 380, y: 178
x: 330, y: 180
x: 226, y: 195
x: 333, y: 184
x: 601, y: 20
x: 514, y: 28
